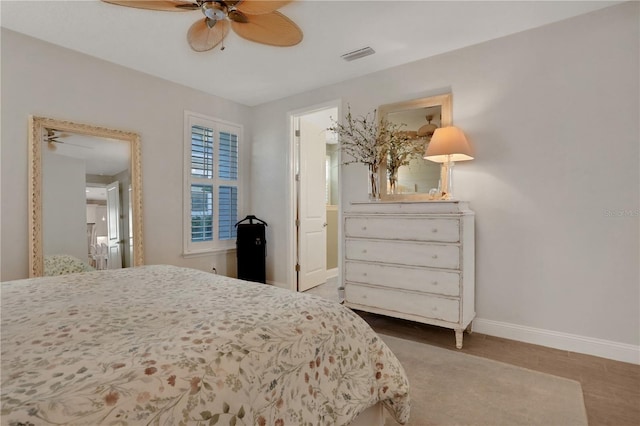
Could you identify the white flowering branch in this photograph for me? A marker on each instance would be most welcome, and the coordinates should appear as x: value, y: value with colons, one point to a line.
x: 361, y: 139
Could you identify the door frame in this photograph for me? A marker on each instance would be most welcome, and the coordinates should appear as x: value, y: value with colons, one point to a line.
x: 292, y: 201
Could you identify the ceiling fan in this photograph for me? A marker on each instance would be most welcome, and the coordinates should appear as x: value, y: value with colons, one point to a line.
x: 254, y: 20
x: 51, y: 139
x: 428, y: 129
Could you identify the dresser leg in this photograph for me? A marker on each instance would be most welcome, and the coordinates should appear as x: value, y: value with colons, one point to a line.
x: 459, y: 338
x: 469, y: 328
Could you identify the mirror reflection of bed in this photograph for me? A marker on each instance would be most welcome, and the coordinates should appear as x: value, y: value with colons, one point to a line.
x: 86, y: 199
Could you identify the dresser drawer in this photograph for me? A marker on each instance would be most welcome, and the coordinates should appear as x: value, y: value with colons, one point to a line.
x: 404, y: 253
x: 411, y: 303
x: 399, y: 228
x: 399, y: 277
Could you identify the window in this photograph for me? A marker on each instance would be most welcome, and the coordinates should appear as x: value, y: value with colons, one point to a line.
x: 211, y: 202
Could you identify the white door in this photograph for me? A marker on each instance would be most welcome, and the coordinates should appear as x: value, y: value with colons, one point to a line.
x: 114, y: 257
x: 312, y: 209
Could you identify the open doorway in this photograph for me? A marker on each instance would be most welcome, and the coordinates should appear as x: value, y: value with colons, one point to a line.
x: 109, y: 226
x: 316, y: 189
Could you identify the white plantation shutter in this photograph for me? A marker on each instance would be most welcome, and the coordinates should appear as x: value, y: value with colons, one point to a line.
x: 228, y: 212
x: 228, y: 156
x: 212, y: 185
x: 201, y: 152
x: 201, y: 212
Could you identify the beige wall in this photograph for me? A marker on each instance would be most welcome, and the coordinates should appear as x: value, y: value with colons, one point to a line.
x: 553, y: 114
x: 42, y: 79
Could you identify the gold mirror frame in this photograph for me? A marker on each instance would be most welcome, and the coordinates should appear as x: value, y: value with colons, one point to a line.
x: 444, y: 102
x: 37, y: 126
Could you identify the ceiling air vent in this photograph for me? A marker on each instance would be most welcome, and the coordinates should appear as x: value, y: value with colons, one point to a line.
x: 357, y: 54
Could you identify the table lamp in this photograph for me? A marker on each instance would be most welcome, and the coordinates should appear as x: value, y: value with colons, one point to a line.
x: 447, y: 145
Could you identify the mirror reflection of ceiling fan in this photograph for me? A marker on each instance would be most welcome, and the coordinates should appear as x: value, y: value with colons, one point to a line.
x: 428, y: 129
x: 51, y: 139
x: 254, y: 20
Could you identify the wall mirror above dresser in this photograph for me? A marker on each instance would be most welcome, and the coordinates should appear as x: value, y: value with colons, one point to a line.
x: 419, y: 119
x: 85, y: 196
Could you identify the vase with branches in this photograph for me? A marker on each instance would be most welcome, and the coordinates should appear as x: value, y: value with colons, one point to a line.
x: 362, y: 139
x: 402, y: 147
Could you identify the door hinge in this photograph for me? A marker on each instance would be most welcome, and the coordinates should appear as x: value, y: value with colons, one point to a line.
x: 298, y: 223
x: 297, y: 267
x: 297, y: 133
x: 298, y: 177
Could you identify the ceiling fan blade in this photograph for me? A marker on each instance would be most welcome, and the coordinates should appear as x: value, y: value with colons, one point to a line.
x: 51, y: 134
x: 202, y: 38
x: 166, y: 5
x: 53, y: 141
x: 273, y: 29
x: 260, y: 7
x: 237, y: 16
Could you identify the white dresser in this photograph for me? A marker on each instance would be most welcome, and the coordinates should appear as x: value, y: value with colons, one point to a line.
x: 412, y: 260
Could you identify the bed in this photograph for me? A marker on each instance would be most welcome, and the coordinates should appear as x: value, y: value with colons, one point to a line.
x: 167, y: 345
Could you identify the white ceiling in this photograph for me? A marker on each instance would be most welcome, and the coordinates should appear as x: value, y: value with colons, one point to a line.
x: 102, y: 156
x: 249, y: 73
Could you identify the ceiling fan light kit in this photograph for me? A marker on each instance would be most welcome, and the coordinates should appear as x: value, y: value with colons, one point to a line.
x: 254, y: 20
x: 214, y: 10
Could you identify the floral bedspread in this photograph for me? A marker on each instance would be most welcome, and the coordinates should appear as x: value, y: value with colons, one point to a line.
x: 164, y: 345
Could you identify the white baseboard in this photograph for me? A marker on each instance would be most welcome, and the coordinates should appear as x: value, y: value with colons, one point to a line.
x: 332, y: 273
x: 564, y: 341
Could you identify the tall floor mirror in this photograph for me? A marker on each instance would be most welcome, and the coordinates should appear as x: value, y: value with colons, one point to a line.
x: 85, y: 200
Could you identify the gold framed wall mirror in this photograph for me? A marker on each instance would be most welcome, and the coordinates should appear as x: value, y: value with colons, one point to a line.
x: 419, y: 118
x: 85, y: 195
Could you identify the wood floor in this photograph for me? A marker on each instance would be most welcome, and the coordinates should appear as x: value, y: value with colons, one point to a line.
x: 611, y: 389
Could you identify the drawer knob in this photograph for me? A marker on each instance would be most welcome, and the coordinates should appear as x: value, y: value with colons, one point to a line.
x: 364, y: 228
x: 434, y: 230
x: 364, y: 250
x: 435, y: 283
x: 364, y: 274
x: 435, y: 256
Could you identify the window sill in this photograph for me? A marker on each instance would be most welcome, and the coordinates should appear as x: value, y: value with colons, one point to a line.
x: 208, y: 252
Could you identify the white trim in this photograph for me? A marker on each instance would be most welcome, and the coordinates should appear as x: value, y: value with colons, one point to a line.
x: 558, y: 340
x: 291, y: 199
x: 278, y: 284
x: 202, y: 253
x: 332, y: 273
x: 291, y: 188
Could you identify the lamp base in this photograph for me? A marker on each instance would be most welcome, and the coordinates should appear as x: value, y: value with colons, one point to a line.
x: 446, y: 181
